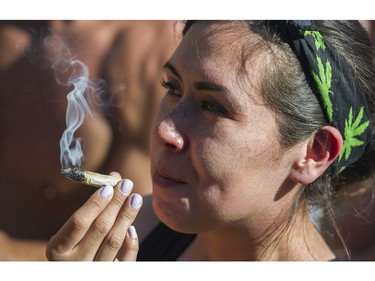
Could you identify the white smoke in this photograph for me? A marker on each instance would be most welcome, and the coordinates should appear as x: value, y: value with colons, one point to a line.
x: 72, y: 73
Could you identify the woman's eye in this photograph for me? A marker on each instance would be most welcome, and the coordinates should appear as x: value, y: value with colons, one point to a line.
x: 172, y: 89
x: 213, y: 107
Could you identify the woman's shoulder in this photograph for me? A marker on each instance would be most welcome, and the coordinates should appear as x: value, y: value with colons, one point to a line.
x: 146, y: 219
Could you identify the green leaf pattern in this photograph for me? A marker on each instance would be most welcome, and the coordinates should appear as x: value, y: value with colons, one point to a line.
x: 323, y: 81
x: 353, y: 130
x: 319, y: 42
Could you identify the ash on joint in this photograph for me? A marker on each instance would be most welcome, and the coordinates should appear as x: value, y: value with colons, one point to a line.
x: 73, y: 173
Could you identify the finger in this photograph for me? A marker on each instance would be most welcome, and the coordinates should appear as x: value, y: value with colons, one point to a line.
x: 102, y: 225
x: 115, y: 174
x: 131, y: 246
x: 78, y: 224
x: 115, y: 238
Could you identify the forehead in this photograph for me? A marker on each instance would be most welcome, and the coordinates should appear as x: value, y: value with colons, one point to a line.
x: 216, y: 39
x: 221, y: 51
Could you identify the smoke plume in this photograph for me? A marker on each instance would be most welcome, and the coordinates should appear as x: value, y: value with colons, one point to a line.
x: 72, y: 73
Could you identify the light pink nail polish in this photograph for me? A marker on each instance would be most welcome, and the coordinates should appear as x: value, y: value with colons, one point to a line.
x: 136, y: 201
x: 106, y: 192
x: 132, y: 232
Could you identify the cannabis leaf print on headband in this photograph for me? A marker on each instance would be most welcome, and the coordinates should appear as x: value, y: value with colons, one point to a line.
x: 323, y: 82
x: 352, y: 130
x: 343, y: 120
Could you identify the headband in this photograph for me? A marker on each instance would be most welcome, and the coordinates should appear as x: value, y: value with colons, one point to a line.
x: 333, y: 82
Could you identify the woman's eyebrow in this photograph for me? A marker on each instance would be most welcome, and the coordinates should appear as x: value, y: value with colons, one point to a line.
x: 202, y: 86
x: 209, y: 86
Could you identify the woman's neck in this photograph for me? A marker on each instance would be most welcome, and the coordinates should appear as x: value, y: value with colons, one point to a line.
x: 300, y: 242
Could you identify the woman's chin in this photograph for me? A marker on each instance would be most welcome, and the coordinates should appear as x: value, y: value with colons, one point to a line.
x: 174, y: 214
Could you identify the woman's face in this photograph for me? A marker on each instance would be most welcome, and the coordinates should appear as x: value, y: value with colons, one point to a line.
x: 215, y: 155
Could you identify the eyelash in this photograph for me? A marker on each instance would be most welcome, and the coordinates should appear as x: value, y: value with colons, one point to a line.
x: 213, y: 107
x: 205, y: 104
x: 170, y: 87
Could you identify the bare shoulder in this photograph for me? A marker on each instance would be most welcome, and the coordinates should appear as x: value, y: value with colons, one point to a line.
x: 146, y: 219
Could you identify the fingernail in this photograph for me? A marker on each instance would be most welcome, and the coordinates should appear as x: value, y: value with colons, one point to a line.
x: 126, y: 187
x: 136, y: 201
x: 132, y: 232
x: 106, y: 191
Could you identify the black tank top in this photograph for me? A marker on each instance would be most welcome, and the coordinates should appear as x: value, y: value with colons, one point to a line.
x: 163, y: 244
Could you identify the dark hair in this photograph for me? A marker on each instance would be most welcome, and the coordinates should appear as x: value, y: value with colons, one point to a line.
x: 285, y: 90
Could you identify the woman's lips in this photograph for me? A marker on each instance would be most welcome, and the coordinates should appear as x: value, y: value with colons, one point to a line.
x: 163, y: 180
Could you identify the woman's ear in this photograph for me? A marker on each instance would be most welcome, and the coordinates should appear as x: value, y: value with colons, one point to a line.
x: 317, y: 154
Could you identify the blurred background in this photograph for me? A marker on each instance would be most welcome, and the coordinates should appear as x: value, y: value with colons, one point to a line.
x: 124, y: 59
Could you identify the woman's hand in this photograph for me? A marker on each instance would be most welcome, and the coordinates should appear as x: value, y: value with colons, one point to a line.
x: 99, y: 229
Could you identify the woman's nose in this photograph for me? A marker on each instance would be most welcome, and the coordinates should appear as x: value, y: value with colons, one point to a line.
x: 169, y: 135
